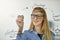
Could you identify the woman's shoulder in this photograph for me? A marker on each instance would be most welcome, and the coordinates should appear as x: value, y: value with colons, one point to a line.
x: 28, y: 31
x: 53, y: 34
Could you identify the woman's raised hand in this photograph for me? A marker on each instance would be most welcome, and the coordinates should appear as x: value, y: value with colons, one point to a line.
x: 20, y: 23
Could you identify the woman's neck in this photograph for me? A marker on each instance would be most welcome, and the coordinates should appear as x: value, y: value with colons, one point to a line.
x: 38, y: 29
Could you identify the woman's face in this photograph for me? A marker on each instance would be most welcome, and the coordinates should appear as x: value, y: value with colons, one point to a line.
x: 37, y: 18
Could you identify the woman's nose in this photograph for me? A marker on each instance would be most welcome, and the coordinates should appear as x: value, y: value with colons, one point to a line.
x: 35, y: 18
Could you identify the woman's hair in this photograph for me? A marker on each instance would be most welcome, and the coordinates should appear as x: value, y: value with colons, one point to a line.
x: 45, y: 28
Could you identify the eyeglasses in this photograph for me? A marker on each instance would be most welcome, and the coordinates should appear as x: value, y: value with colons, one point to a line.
x: 37, y: 16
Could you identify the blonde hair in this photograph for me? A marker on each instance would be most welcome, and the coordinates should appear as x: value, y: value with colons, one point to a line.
x: 45, y: 28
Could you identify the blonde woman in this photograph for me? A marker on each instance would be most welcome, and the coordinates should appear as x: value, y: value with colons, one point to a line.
x: 38, y: 30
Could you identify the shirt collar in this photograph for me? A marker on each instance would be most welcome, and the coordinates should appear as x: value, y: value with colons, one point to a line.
x: 32, y: 30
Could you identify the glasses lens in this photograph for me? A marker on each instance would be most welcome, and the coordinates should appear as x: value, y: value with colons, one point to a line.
x: 37, y: 16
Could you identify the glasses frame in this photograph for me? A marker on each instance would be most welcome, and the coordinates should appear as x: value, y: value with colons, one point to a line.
x: 37, y: 16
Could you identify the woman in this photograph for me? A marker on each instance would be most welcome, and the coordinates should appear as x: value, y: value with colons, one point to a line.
x: 39, y: 29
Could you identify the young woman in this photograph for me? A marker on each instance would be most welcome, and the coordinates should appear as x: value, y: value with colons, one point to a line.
x: 39, y: 29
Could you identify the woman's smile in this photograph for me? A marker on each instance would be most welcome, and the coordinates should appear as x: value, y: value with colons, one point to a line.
x: 35, y: 21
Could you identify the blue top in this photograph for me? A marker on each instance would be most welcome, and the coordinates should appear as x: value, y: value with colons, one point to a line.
x: 31, y: 35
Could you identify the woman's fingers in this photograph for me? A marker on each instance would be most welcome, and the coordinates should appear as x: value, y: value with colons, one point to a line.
x: 20, y: 20
x: 21, y: 17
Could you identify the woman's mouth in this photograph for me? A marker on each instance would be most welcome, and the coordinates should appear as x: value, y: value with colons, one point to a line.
x: 35, y: 21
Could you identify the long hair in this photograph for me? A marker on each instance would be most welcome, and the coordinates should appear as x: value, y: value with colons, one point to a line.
x: 45, y: 28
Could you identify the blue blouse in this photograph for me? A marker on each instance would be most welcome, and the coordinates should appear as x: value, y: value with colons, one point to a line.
x: 31, y: 35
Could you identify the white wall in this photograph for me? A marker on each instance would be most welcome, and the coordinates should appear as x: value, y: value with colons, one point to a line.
x: 9, y: 9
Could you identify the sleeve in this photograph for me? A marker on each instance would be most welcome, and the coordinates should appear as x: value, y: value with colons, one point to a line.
x: 22, y: 36
x: 53, y: 36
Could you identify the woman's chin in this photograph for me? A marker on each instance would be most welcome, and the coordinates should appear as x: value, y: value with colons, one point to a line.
x: 35, y: 24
